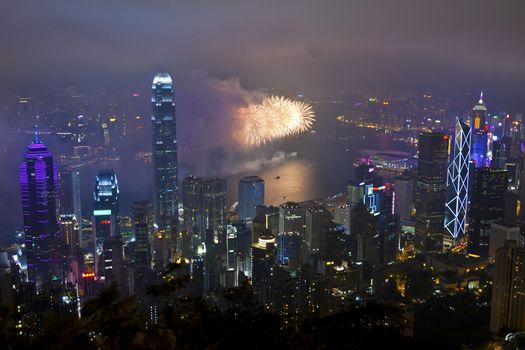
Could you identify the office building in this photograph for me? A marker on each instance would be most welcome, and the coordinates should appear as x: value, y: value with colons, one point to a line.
x: 479, y: 150
x: 251, y: 195
x: 192, y: 205
x: 487, y: 205
x: 508, y: 289
x: 291, y: 218
x: 457, y: 187
x: 165, y: 195
x: 404, y: 196
x: 39, y: 189
x: 214, y: 204
x: 430, y: 191
x: 316, y: 217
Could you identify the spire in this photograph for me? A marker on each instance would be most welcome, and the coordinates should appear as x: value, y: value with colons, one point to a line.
x: 37, y: 135
x: 481, y: 98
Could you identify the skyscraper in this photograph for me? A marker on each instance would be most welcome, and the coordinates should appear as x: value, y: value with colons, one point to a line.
x: 105, y: 213
x: 214, y: 202
x: 106, y: 204
x: 39, y: 189
x: 251, y: 195
x: 479, y: 134
x: 165, y: 198
x: 77, y: 205
x: 142, y: 218
x: 430, y: 191
x: 192, y: 204
x: 316, y: 218
x: 404, y: 195
x: 457, y: 188
x: 291, y: 218
x: 508, y: 289
x: 487, y: 205
x: 66, y: 192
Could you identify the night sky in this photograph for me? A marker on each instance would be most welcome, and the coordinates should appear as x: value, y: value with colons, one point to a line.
x: 305, y: 45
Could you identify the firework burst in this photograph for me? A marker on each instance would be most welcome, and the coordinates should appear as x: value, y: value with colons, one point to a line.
x: 275, y: 117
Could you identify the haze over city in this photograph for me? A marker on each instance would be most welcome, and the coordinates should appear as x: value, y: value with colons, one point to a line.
x: 289, y: 166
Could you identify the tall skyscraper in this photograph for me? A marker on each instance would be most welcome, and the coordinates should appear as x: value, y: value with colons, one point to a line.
x: 508, y: 289
x: 39, y: 189
x: 77, y: 201
x: 251, y: 195
x: 192, y: 204
x: 430, y: 191
x: 214, y: 202
x: 142, y: 218
x: 457, y: 188
x: 165, y: 198
x: 480, y: 140
x: 487, y: 205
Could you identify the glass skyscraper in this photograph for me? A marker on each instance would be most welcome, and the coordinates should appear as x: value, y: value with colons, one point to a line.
x: 457, y: 190
x: 165, y: 198
x: 214, y: 202
x: 430, y: 191
x: 251, y: 195
x: 192, y: 204
x: 39, y: 189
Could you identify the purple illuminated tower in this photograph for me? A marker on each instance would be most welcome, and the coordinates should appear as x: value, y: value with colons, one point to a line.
x: 39, y: 188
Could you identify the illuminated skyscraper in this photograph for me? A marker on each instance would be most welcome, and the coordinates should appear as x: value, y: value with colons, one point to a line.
x: 291, y: 218
x: 457, y: 195
x: 251, y: 195
x: 479, y: 150
x: 106, y: 207
x: 77, y: 205
x: 106, y: 204
x: 430, y: 191
x: 39, y: 189
x: 165, y: 197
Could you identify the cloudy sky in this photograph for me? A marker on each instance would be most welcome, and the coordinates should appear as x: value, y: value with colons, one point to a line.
x: 288, y: 44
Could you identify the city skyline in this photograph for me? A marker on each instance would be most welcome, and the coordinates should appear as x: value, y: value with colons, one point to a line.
x: 299, y: 174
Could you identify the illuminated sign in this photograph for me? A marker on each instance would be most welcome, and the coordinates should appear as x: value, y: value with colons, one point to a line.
x: 102, y: 212
x: 88, y: 275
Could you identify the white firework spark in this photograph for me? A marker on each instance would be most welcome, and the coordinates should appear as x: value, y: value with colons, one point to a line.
x: 275, y: 117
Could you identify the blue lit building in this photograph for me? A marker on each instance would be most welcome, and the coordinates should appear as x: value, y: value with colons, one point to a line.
x: 479, y: 150
x: 165, y: 198
x: 39, y: 190
x: 457, y: 189
x: 251, y: 195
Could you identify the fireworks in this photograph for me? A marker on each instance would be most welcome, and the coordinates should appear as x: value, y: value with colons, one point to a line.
x: 275, y: 117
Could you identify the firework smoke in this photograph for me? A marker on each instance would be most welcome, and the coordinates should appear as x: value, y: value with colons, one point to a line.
x: 275, y: 117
